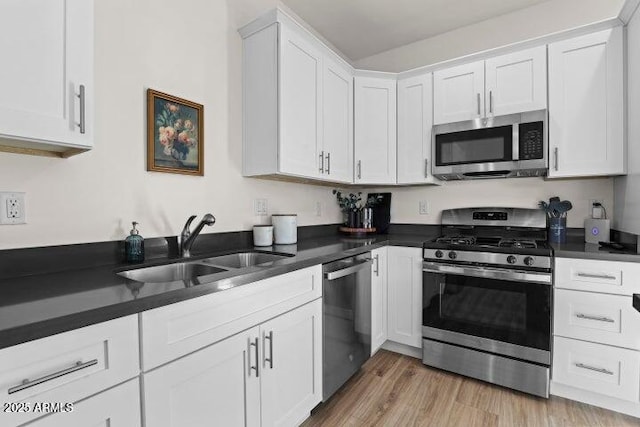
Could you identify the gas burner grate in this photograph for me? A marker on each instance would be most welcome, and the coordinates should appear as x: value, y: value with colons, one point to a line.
x: 517, y: 243
x: 457, y: 240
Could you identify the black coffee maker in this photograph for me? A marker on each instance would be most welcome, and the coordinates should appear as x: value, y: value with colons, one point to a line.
x: 381, y: 211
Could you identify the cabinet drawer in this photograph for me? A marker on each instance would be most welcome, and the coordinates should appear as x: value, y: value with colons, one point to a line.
x: 68, y: 367
x: 622, y: 278
x: 605, y: 319
x: 172, y: 331
x: 606, y: 370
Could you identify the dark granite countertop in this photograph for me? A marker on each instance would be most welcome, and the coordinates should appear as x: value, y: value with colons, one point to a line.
x: 577, y: 248
x: 39, y: 305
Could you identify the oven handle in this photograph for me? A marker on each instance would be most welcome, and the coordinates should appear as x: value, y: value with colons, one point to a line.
x: 489, y: 273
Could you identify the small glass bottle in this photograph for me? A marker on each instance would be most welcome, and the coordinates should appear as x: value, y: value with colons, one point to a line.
x: 134, y: 246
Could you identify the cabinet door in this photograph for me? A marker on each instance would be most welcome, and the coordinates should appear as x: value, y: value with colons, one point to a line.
x: 375, y: 130
x: 218, y: 385
x: 458, y: 93
x: 41, y: 78
x: 517, y: 82
x: 405, y: 295
x: 300, y: 90
x: 337, y: 122
x: 586, y: 105
x: 116, y: 407
x: 415, y: 120
x: 291, y: 365
x: 378, y: 298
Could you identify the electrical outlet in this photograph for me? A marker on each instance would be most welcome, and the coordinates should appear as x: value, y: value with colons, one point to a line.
x: 318, y: 209
x: 260, y: 207
x: 423, y: 207
x: 12, y: 208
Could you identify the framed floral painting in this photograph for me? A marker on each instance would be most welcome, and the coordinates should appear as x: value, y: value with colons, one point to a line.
x: 175, y: 137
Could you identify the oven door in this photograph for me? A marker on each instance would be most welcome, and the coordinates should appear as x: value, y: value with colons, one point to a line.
x: 497, y: 310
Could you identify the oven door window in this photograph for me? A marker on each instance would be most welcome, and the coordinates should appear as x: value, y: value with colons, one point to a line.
x: 475, y: 146
x: 508, y: 311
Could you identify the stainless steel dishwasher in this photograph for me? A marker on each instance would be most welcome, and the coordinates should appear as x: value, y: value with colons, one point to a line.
x: 346, y: 320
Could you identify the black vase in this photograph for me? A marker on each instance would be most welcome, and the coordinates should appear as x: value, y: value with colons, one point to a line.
x: 353, y: 219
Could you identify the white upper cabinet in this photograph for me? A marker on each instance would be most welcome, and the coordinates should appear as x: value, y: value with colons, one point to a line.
x: 375, y: 130
x: 297, y: 105
x: 415, y: 121
x: 46, y: 79
x: 517, y: 82
x: 458, y: 93
x: 300, y: 85
x: 337, y: 120
x: 586, y: 105
x: 507, y: 84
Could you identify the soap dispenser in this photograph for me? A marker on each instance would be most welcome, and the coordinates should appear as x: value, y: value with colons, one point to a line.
x: 134, y: 246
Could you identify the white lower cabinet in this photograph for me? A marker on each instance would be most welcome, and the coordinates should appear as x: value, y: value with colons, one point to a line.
x: 268, y: 375
x: 116, y: 407
x: 405, y: 295
x: 379, y: 287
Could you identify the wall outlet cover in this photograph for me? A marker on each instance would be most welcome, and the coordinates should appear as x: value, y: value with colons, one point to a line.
x: 423, y: 207
x: 12, y: 208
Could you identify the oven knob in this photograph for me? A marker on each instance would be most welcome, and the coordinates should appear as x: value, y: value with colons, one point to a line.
x: 511, y: 259
x: 529, y: 260
x: 439, y: 254
x: 453, y: 255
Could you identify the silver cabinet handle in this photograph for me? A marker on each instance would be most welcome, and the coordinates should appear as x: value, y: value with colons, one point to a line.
x: 359, y: 169
x: 254, y: 343
x: 81, y: 97
x: 491, y: 101
x: 479, y: 113
x: 593, y: 368
x: 598, y: 318
x: 555, y: 158
x: 426, y: 168
x: 596, y: 276
x: 270, y: 358
x: 26, y: 383
x: 322, y: 162
x: 328, y: 163
x: 377, y: 268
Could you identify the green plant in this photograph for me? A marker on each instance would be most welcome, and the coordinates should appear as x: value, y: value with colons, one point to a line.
x: 348, y: 203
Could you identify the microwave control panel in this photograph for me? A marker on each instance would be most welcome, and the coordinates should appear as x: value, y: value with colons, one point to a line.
x: 531, y: 142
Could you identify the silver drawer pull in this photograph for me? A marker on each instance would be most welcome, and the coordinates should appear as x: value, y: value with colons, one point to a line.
x: 593, y: 368
x: 321, y: 162
x: 596, y: 276
x: 81, y: 97
x: 32, y: 383
x: 270, y: 358
x: 598, y: 318
x: 254, y: 343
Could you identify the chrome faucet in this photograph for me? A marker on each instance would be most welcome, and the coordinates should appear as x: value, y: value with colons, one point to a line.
x: 187, y: 237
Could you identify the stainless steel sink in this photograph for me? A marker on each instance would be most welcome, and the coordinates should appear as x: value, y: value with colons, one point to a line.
x: 244, y: 259
x: 182, y: 271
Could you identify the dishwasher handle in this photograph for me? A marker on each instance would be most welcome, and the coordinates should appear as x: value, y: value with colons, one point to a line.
x: 352, y: 269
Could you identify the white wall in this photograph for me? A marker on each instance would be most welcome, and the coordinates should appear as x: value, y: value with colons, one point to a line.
x: 627, y: 189
x: 188, y: 49
x: 535, y: 21
x: 514, y: 192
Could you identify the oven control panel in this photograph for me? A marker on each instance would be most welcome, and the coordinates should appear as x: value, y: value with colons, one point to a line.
x: 490, y: 216
x: 475, y: 257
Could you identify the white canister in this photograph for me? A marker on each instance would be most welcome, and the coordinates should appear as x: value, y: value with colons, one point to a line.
x: 285, y: 228
x: 262, y: 235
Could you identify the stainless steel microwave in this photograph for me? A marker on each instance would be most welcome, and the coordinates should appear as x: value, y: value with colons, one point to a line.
x: 496, y: 147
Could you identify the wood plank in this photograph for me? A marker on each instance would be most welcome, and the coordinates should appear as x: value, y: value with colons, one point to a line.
x: 396, y: 390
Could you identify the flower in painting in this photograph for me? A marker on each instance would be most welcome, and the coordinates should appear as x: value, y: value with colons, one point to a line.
x: 173, y: 108
x: 178, y: 124
x: 188, y: 125
x: 183, y: 137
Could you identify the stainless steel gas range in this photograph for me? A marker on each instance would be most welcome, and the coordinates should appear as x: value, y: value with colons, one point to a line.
x: 487, y: 295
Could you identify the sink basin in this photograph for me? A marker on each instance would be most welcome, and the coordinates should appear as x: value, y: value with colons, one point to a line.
x: 182, y: 271
x: 244, y: 259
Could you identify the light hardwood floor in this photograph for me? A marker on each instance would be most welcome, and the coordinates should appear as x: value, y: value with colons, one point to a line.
x: 396, y: 390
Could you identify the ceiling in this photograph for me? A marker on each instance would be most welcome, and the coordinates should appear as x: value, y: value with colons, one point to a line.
x: 361, y: 28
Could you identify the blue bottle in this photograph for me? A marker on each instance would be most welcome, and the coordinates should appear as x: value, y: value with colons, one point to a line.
x: 134, y: 246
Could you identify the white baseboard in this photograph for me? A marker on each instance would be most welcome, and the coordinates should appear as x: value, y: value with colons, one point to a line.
x: 596, y: 399
x: 407, y: 350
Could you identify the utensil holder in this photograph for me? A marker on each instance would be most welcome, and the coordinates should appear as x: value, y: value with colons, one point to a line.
x: 558, y: 230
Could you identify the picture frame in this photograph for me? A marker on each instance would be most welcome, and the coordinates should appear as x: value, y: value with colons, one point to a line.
x: 175, y: 134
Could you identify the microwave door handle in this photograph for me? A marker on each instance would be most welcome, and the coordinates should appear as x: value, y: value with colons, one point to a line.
x: 516, y: 143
